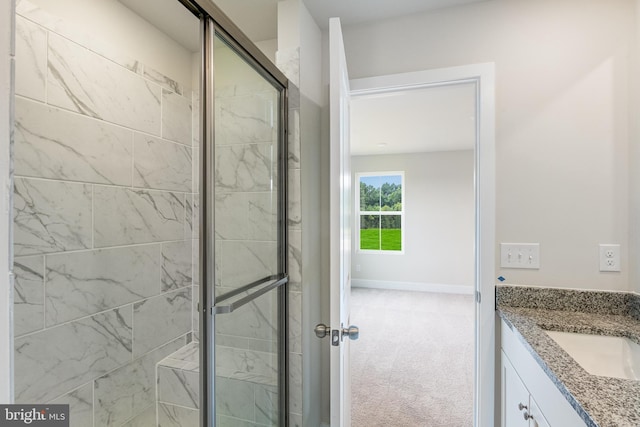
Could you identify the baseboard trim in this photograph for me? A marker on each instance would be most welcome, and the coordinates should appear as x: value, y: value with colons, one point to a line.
x: 412, y: 286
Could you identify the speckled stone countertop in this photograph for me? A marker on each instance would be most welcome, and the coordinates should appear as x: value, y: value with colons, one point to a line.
x: 600, y: 401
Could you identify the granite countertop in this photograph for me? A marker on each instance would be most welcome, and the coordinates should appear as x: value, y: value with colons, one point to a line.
x: 600, y: 401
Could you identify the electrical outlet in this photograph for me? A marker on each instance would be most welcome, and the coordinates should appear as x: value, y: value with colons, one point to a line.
x: 609, y: 257
x: 520, y: 255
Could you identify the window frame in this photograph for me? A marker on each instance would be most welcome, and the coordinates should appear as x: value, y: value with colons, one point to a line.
x: 381, y: 213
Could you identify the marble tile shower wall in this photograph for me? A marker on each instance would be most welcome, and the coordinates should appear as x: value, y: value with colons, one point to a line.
x: 103, y: 239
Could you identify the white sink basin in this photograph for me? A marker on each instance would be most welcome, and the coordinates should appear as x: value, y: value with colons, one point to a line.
x: 601, y: 355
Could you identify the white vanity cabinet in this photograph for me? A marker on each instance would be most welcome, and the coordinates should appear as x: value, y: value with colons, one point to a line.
x: 527, y: 390
x: 519, y: 409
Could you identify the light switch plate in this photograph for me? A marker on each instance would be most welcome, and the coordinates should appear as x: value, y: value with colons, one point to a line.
x: 520, y: 255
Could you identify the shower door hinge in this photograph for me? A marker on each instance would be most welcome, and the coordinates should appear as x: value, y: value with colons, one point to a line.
x: 478, y: 297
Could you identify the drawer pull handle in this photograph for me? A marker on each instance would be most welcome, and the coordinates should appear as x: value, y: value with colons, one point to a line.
x: 521, y: 406
x: 527, y: 416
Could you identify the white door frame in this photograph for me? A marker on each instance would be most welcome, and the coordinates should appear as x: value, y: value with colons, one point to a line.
x: 483, y: 76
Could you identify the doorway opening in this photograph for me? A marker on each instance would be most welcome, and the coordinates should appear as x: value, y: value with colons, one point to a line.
x: 419, y: 279
x: 433, y: 331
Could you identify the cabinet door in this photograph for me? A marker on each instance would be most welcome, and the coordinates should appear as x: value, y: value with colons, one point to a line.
x: 537, y: 419
x: 515, y: 396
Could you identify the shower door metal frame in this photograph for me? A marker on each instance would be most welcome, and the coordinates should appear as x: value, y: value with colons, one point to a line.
x: 213, y: 21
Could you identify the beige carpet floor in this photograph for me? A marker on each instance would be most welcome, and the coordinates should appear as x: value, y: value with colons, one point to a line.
x: 413, y: 363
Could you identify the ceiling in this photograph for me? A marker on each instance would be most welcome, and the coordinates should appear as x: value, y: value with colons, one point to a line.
x: 431, y: 119
x: 258, y: 18
x: 172, y: 18
x: 359, y: 11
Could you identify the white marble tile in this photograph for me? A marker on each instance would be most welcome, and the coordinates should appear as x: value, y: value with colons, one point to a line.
x: 160, y: 319
x: 196, y: 261
x: 179, y: 387
x: 51, y: 362
x: 195, y: 313
x: 51, y: 216
x: 192, y: 226
x: 295, y: 204
x: 294, y: 139
x: 177, y: 416
x: 294, y: 254
x: 190, y: 354
x: 294, y: 96
x: 295, y: 322
x: 232, y: 341
x: 146, y: 418
x: 288, y: 61
x: 295, y: 383
x: 269, y: 346
x: 56, y: 144
x: 231, y: 216
x: 196, y: 169
x: 295, y: 420
x: 246, y: 216
x: 161, y: 165
x: 251, y: 118
x: 176, y: 265
x: 28, y: 296
x: 71, y: 31
x: 226, y: 421
x: 263, y: 216
x: 245, y: 168
x: 129, y: 390
x: 245, y: 365
x: 80, y: 403
x: 188, y: 216
x: 82, y: 81
x: 162, y: 80
x: 31, y: 59
x: 176, y: 117
x: 267, y: 410
x: 245, y: 262
x: 84, y: 283
x: 258, y: 319
x: 235, y: 398
x: 123, y: 216
x: 195, y: 118
x: 234, y: 76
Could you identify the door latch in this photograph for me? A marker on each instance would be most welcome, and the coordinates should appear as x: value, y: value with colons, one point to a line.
x: 337, y: 335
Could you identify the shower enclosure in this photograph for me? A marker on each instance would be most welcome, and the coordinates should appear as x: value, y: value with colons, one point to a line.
x: 149, y: 216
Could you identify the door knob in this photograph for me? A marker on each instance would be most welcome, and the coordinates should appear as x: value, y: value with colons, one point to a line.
x: 321, y: 330
x: 353, y: 332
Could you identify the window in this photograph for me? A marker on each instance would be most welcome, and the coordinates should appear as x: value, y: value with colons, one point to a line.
x: 381, y: 211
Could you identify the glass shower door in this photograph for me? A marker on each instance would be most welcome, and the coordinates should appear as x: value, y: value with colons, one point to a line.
x: 249, y: 242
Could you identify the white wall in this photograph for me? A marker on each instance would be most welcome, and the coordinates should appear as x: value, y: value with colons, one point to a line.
x: 563, y: 108
x: 6, y: 124
x: 269, y: 48
x: 634, y: 162
x: 439, y: 220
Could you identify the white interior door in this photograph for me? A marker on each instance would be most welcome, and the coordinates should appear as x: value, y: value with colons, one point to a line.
x: 340, y: 228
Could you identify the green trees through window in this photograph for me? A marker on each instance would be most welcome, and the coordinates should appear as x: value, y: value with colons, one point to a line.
x: 381, y: 212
